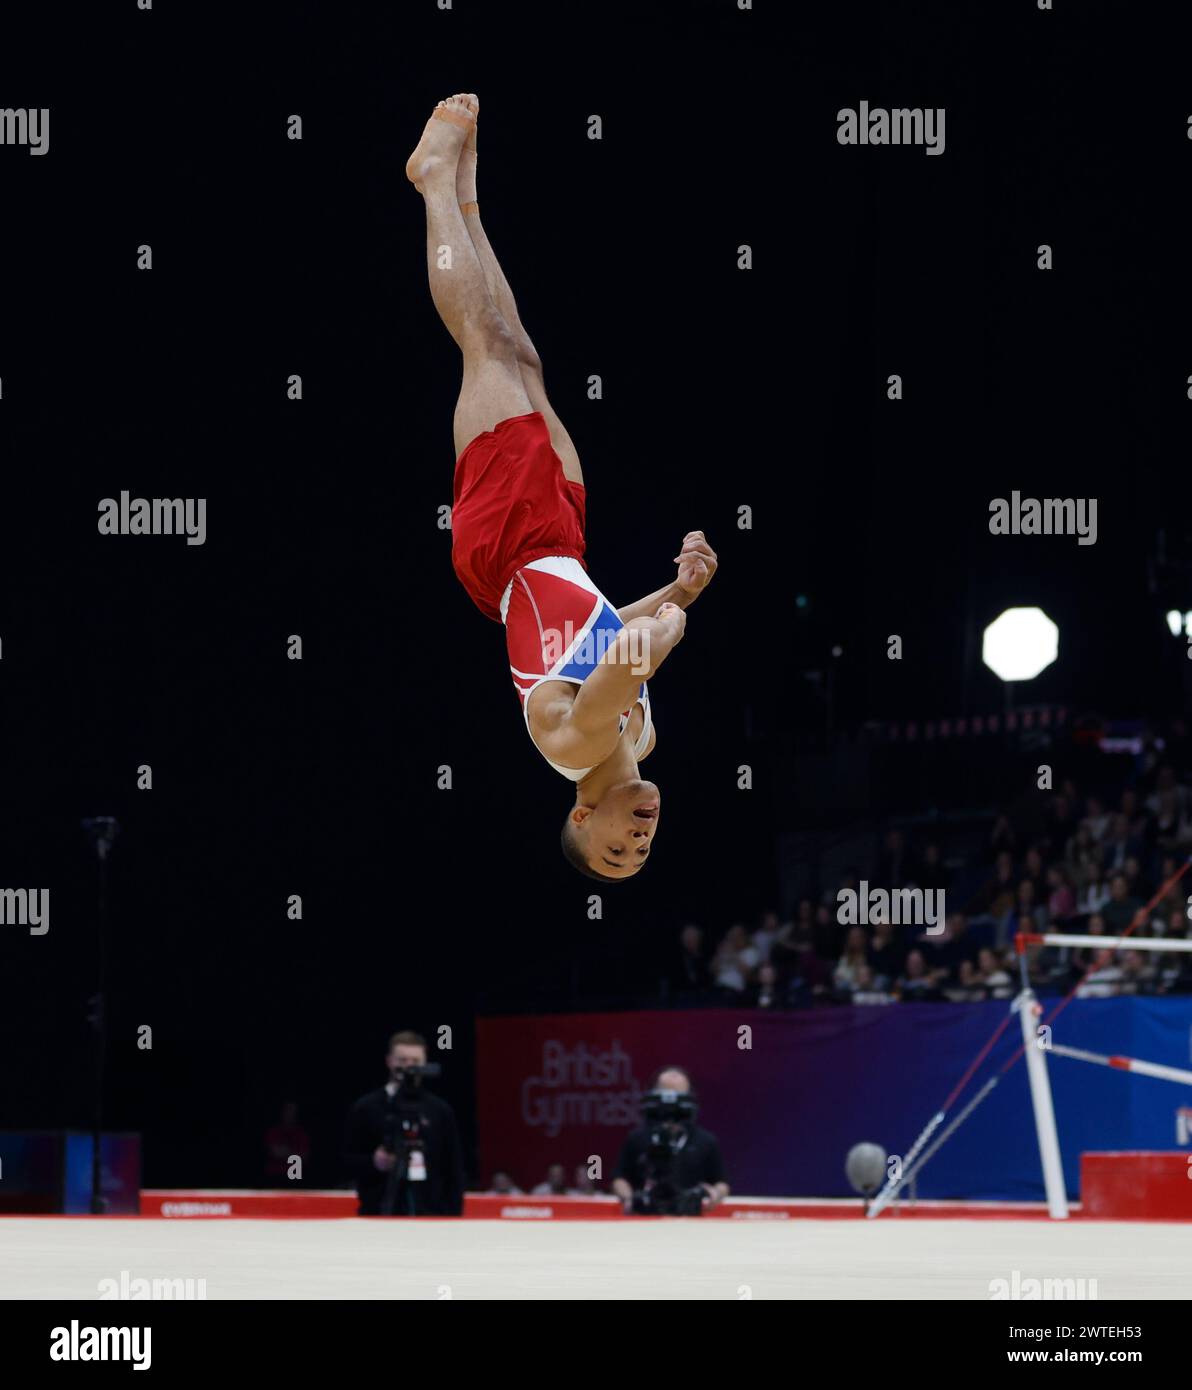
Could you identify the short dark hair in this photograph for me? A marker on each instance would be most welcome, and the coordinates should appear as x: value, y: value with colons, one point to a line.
x: 406, y: 1038
x: 574, y: 855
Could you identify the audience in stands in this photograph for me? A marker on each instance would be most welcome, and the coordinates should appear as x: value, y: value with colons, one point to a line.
x: 1077, y: 864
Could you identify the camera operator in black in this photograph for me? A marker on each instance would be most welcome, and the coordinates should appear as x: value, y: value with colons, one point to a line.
x: 403, y: 1145
x: 669, y: 1166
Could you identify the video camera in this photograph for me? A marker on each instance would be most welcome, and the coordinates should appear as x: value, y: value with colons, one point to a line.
x: 669, y: 1116
x: 405, y: 1121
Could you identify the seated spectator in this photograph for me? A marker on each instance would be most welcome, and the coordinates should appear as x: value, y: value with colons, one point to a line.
x: 1033, y: 872
x: 992, y: 975
x: 1167, y: 793
x: 826, y: 933
x: 1120, y: 910
x: 581, y: 1184
x: 1138, y: 973
x: 1061, y: 901
x: 1026, y: 905
x: 691, y: 974
x: 885, y: 955
x: 844, y: 977
x: 765, y: 992
x: 916, y: 983
x: 1059, y: 823
x: 1082, y: 856
x: 943, y: 951
x: 1138, y: 883
x: 503, y: 1186
x: 734, y: 961
x: 1096, y: 818
x: 765, y: 936
x: 1119, y: 845
x: 1175, y: 971
x: 555, y: 1184
x: 1093, y: 897
x: 1084, y: 957
x: 867, y: 991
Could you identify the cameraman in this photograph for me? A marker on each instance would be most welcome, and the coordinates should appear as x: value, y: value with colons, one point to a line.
x: 669, y: 1166
x: 403, y: 1146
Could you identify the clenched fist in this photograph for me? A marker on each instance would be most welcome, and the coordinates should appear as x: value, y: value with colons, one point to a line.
x: 697, y: 563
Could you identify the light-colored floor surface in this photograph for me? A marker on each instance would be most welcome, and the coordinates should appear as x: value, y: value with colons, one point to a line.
x: 895, y: 1259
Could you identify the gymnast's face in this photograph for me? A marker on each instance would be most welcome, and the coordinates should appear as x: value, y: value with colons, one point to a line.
x: 616, y: 833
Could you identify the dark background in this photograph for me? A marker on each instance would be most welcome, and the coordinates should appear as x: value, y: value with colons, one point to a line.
x: 722, y: 388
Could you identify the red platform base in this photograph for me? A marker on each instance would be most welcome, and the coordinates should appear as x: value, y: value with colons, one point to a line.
x: 189, y: 1204
x: 1136, y: 1186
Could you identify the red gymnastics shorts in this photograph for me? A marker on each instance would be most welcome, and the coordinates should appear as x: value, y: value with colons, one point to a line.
x: 512, y: 505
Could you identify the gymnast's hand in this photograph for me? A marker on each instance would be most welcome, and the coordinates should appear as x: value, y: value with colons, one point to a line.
x: 697, y: 564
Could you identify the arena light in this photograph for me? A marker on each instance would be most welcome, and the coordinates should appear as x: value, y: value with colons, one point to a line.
x: 1020, y: 643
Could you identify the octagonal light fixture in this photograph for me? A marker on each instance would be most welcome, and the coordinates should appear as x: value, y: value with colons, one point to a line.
x: 1020, y: 643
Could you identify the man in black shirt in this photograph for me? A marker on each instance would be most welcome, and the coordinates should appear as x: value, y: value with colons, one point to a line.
x: 403, y: 1145
x: 696, y: 1161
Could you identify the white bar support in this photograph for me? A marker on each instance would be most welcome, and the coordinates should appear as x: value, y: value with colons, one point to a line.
x: 1049, y: 1143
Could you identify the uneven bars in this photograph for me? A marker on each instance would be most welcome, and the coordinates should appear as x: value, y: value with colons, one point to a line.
x: 1105, y: 943
x: 1123, y: 1064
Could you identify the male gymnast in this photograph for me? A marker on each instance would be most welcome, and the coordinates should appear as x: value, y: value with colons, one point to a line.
x: 580, y: 666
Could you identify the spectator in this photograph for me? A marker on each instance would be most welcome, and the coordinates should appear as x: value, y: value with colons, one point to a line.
x: 1061, y: 901
x: 885, y: 955
x: 1026, y: 906
x: 916, y: 984
x: 503, y: 1186
x: 867, y: 991
x: 826, y: 933
x: 734, y: 961
x: 691, y: 974
x: 1096, y: 819
x: 765, y: 992
x: 581, y: 1184
x: 943, y: 951
x: 1033, y: 871
x: 993, y: 975
x: 1093, y: 897
x: 765, y: 936
x: 1119, y: 911
x: 844, y: 977
x: 555, y: 1184
x: 1119, y: 846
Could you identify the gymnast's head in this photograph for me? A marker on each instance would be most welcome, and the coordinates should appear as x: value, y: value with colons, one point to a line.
x: 611, y: 838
